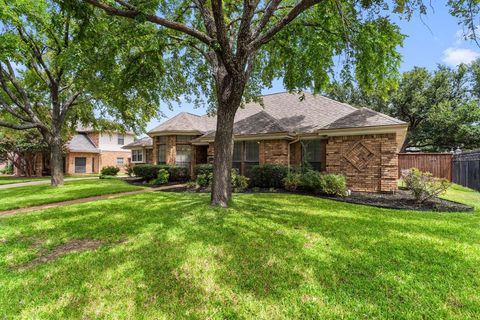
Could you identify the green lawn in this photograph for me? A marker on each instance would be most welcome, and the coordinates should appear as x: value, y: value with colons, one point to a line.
x: 12, y: 179
x: 270, y: 256
x: 21, y: 197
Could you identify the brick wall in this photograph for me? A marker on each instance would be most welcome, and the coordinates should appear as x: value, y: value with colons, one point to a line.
x: 369, y: 162
x: 171, y: 149
x: 92, y: 163
x: 210, y: 152
x: 273, y: 151
x: 109, y: 158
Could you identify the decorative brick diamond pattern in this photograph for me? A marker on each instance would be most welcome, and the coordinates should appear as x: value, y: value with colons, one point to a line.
x: 359, y: 156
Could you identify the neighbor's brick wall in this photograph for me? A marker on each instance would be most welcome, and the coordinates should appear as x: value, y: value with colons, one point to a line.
x: 369, y: 162
x: 273, y: 151
x: 70, y: 162
x: 109, y: 158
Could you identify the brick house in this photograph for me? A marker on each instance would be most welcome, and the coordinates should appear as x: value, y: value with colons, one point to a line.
x: 289, y: 129
x: 88, y: 151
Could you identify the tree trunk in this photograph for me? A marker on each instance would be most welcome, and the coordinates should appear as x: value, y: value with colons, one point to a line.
x: 223, y: 149
x: 56, y: 161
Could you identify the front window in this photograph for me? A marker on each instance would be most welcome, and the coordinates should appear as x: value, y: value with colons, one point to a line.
x: 183, y: 156
x: 119, y: 161
x: 137, y: 155
x: 184, y: 139
x: 162, y: 153
x: 80, y: 165
x: 245, y: 156
x: 312, y: 154
x: 121, y: 139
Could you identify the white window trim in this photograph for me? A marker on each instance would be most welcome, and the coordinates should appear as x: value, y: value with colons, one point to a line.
x: 143, y: 156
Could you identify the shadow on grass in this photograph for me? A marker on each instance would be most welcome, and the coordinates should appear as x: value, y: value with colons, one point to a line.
x: 272, y: 256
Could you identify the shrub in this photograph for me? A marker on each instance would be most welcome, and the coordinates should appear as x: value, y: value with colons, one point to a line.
x: 203, y: 169
x: 333, y: 184
x: 423, y: 185
x: 292, y: 181
x: 239, y: 182
x: 204, y: 179
x: 162, y: 177
x: 109, y: 171
x: 150, y: 172
x: 268, y: 175
x: 146, y: 171
x: 311, y: 180
x: 8, y: 169
x: 129, y: 169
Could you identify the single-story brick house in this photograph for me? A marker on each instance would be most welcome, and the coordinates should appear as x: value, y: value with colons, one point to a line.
x: 88, y: 151
x: 290, y: 129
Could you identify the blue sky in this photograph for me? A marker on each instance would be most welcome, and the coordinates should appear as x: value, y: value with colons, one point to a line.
x: 433, y: 39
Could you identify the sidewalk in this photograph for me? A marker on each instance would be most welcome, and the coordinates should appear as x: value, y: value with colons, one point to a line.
x: 34, y: 183
x: 84, y: 200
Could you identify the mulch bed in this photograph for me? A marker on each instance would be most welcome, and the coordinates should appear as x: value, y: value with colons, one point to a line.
x: 402, y: 199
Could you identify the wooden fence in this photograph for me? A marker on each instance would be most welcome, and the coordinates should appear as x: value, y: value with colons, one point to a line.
x: 438, y: 164
x: 466, y: 169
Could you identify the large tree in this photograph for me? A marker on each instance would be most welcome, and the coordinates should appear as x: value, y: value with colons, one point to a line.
x: 232, y: 49
x: 50, y: 80
x: 441, y: 107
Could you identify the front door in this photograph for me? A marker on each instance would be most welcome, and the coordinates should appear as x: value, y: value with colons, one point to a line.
x: 80, y: 165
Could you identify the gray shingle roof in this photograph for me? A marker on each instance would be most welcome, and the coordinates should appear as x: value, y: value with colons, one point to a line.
x: 283, y: 112
x: 363, y: 117
x: 81, y: 143
x: 140, y: 143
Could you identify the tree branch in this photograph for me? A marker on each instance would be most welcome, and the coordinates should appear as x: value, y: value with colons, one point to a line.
x: 299, y: 8
x: 133, y: 13
x: 18, y: 126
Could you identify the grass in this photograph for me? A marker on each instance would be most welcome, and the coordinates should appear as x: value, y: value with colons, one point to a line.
x: 269, y: 256
x: 13, y: 179
x: 21, y: 197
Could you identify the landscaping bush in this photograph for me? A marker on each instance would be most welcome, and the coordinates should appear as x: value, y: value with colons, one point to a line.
x: 268, y: 175
x: 129, y: 169
x: 162, y: 177
x: 314, y: 181
x: 8, y: 169
x: 423, y: 185
x: 333, y: 184
x: 292, y: 181
x: 203, y: 169
x: 109, y: 171
x: 150, y: 172
x: 239, y: 182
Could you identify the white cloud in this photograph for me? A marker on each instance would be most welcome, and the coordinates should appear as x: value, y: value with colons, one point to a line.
x: 455, y: 56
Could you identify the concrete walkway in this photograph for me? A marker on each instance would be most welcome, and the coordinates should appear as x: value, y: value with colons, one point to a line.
x: 84, y: 200
x: 34, y: 183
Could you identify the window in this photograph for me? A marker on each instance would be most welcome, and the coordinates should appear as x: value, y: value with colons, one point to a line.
x: 121, y: 139
x: 245, y: 156
x: 119, y: 161
x: 251, y: 155
x: 162, y: 154
x: 80, y: 165
x: 137, y: 155
x: 312, y: 154
x: 184, y: 139
x: 237, y: 156
x: 183, y: 157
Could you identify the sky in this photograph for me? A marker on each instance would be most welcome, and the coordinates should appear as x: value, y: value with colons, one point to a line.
x: 434, y: 38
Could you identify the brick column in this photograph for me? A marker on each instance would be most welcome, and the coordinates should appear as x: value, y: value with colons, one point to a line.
x: 171, y: 149
x: 155, y: 150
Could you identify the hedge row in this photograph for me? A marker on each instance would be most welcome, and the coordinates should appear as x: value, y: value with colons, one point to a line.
x: 150, y: 172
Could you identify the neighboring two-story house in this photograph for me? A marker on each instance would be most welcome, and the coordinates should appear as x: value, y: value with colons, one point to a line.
x: 88, y: 151
x: 289, y: 129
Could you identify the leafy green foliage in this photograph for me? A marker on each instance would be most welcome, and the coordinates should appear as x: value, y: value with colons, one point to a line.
x: 203, y: 168
x: 317, y: 182
x: 162, y: 177
x: 149, y: 172
x: 239, y: 183
x: 109, y: 171
x: 423, y: 185
x: 268, y: 175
